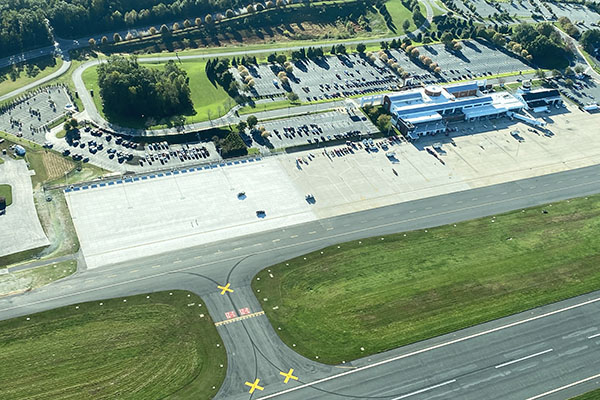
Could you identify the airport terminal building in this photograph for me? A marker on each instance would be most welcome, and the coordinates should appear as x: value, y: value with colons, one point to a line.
x: 427, y: 110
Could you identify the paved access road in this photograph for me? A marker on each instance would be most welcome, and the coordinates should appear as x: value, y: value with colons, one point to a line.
x: 255, y: 351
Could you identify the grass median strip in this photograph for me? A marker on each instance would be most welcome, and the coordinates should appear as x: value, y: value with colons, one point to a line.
x: 140, y: 347
x: 22, y: 281
x: 381, y: 293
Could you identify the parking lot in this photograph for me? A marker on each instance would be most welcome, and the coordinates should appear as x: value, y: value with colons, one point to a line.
x: 523, y: 9
x: 579, y: 14
x: 28, y: 118
x: 475, y: 60
x: 119, y: 154
x: 338, y: 124
x: 327, y: 78
x: 584, y: 91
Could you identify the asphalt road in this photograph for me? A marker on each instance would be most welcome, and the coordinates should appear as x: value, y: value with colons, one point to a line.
x: 255, y: 351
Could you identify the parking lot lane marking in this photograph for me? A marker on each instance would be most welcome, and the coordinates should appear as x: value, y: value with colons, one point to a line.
x: 539, y: 396
x: 237, y: 248
x: 197, y: 257
x: 425, y: 389
x: 294, y: 236
x: 225, y: 289
x: 276, y: 240
x: 412, y: 211
x: 329, y: 229
x: 288, y: 375
x: 156, y: 266
x: 257, y: 244
x: 176, y: 261
x: 312, y: 232
x: 111, y: 276
x: 134, y: 271
x: 523, y: 358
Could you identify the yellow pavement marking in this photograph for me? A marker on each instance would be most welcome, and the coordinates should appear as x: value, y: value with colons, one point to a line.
x: 225, y: 289
x: 254, y: 386
x: 289, y: 375
x: 229, y: 321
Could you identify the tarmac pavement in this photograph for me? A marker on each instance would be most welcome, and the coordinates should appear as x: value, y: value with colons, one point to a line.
x: 255, y: 352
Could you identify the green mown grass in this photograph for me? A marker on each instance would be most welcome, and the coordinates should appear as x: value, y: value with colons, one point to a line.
x: 139, y: 349
x: 208, y: 99
x: 399, y: 14
x: 594, y: 395
x: 35, y: 277
x: 47, y: 66
x: 382, y: 294
x: 6, y: 192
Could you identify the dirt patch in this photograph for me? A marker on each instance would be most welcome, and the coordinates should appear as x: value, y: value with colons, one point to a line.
x: 55, y: 165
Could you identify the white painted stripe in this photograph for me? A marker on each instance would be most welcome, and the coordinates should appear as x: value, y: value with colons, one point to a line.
x: 593, y: 336
x: 523, y: 358
x: 276, y: 240
x: 425, y: 390
x: 437, y: 346
x: 312, y: 232
x: 293, y: 236
x: 539, y: 396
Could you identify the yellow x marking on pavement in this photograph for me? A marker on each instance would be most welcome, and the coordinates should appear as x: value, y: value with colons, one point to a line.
x: 225, y: 289
x: 288, y: 376
x: 254, y: 386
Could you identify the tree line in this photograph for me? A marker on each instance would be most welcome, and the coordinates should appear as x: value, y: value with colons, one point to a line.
x: 130, y: 90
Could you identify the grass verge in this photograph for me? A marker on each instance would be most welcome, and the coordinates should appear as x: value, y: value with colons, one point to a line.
x: 23, y: 281
x: 137, y: 347
x: 210, y: 101
x: 6, y: 192
x: 381, y: 294
x: 593, y: 395
x: 45, y: 66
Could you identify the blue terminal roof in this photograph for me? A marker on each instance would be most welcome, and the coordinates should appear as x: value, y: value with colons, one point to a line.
x: 461, y: 87
x: 419, y: 108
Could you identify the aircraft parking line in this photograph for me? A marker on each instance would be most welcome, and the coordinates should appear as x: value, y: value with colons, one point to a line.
x: 594, y: 336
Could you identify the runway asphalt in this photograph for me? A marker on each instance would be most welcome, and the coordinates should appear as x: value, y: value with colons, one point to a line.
x: 464, y: 369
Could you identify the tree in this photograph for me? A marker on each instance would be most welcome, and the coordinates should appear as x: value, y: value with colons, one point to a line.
x: 198, y: 21
x: 361, y: 48
x: 241, y: 126
x: 280, y: 3
x: 446, y: 38
x: 281, y: 58
x: 384, y: 122
x: 414, y: 53
x: 175, y: 26
x: 540, y: 73
x: 384, y: 45
x: 208, y: 19
x: 116, y: 38
x: 272, y: 58
x: 556, y: 73
x: 92, y: 43
x: 152, y: 30
x: 293, y: 97
x: 71, y: 125
x: 187, y: 23
x: 229, y: 13
x: 569, y: 83
x: 498, y: 39
x: 250, y: 8
x: 259, y: 7
x: 590, y: 40
x: 251, y: 121
x: 406, y: 25
x: 104, y: 41
x: 579, y: 69
x: 456, y: 46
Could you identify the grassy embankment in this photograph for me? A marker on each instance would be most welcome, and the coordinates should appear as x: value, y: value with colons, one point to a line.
x: 6, y: 192
x: 34, y: 278
x: 135, y: 348
x: 208, y: 99
x: 382, y: 294
x: 594, y: 395
x: 45, y: 65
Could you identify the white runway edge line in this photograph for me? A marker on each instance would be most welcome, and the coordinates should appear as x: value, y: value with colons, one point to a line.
x: 424, y: 390
x: 437, y: 346
x: 539, y: 396
x: 523, y: 358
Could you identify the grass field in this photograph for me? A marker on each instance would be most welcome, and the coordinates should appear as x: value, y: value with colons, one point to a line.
x: 144, y: 348
x: 35, y: 277
x: 382, y: 294
x: 399, y: 14
x: 594, y: 395
x: 6, y: 192
x: 208, y: 99
x: 46, y: 65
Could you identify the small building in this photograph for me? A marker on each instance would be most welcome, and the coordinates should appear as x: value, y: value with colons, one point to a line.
x: 540, y: 100
x: 428, y: 110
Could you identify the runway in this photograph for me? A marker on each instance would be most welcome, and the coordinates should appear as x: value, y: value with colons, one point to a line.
x: 517, y: 362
